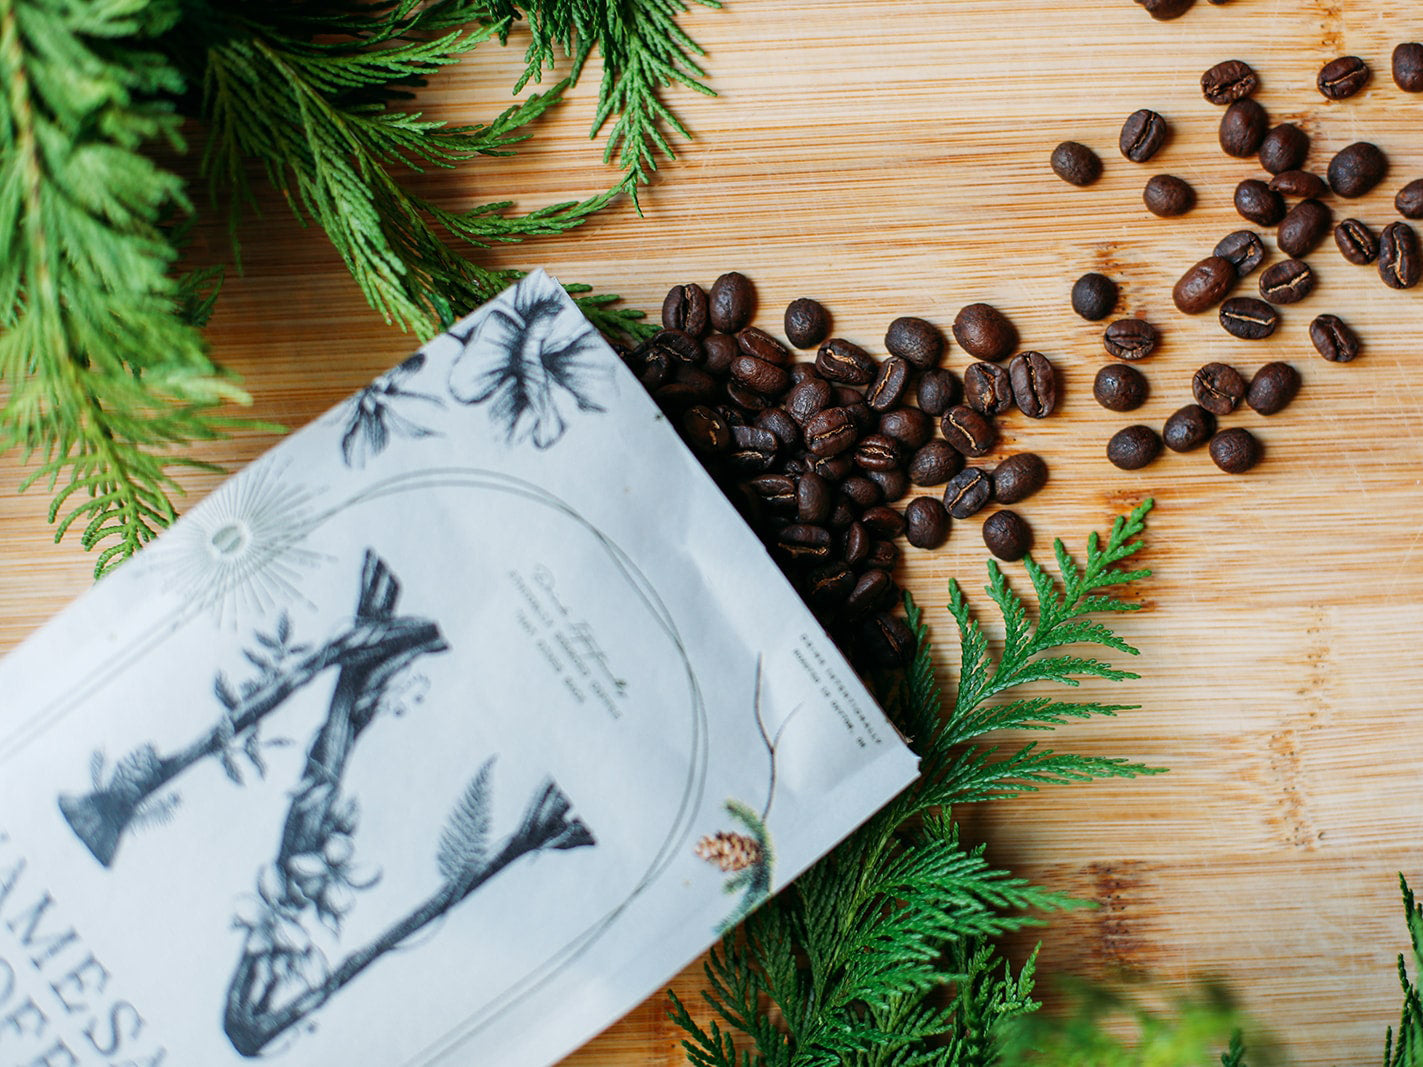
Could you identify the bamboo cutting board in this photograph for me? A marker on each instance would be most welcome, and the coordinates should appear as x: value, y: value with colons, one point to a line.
x: 891, y: 158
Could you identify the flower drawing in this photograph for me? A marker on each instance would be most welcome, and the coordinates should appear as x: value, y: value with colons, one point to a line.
x: 374, y: 416
x: 530, y: 357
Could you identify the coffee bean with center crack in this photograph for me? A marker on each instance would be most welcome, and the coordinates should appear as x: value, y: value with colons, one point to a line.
x: 838, y: 360
x: 926, y: 522
x: 1272, y: 387
x: 1284, y: 148
x: 878, y: 452
x: 987, y: 388
x: 1258, y: 203
x: 1018, y: 477
x: 753, y: 341
x: 1167, y: 196
x: 1243, y: 128
x: 1094, y: 296
x: 1356, y: 169
x: 917, y: 342
x: 1218, y: 387
x: 1357, y: 243
x: 830, y: 432
x: 1409, y: 200
x: 1235, y: 450
x: 1142, y: 136
x: 1034, y: 384
x: 1129, y: 339
x: 1120, y: 387
x: 760, y: 376
x: 1075, y: 163
x: 968, y: 431
x: 1399, y: 263
x: 685, y: 308
x: 967, y: 492
x: 889, y: 385
x: 985, y: 333
x: 1204, y: 285
x: 1133, y: 447
x: 1007, y: 535
x: 1343, y: 77
x: 1334, y: 339
x: 1244, y: 249
x: 1248, y: 318
x: 1188, y: 428
x: 1287, y: 282
x: 1228, y: 82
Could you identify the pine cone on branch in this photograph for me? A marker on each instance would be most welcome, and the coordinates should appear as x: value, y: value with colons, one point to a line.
x: 729, y: 851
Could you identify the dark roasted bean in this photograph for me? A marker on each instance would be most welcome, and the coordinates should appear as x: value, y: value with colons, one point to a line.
x: 839, y: 360
x: 883, y: 522
x: 802, y: 544
x: 746, y: 398
x: 1120, y: 387
x: 777, y: 491
x: 1167, y: 196
x: 831, y: 468
x: 1242, y: 128
x: 967, y: 492
x: 1227, y: 82
x: 856, y: 544
x: 1244, y: 249
x: 1204, y: 285
x: 1408, y: 66
x: 854, y: 403
x: 1094, y: 296
x: 689, y: 385
x: 830, y: 432
x: 1303, y: 228
x: 815, y: 498
x: 1333, y: 339
x: 887, y: 640
x: 1399, y: 264
x: 705, y: 430
x: 841, y: 516
x: 780, y: 423
x: 1188, y: 428
x: 1034, y: 384
x: 871, y: 591
x: 883, y: 555
x: 1218, y: 387
x: 890, y: 382
x: 878, y: 452
x: 1129, y: 339
x: 1075, y: 163
x: 685, y: 308
x: 1018, y: 477
x: 987, y: 388
x: 731, y: 303
x: 935, y: 463
x: 893, y: 483
x: 1235, y: 450
x: 1302, y: 184
x: 1142, y: 136
x: 909, y: 426
x: 1248, y: 318
x: 760, y: 376
x: 679, y: 346
x: 860, y: 491
x: 753, y: 341
x: 1287, y: 282
x: 939, y: 389
x: 1272, y: 387
x: 984, y: 332
x: 968, y: 431
x: 1256, y: 202
x: 1007, y: 535
x: 801, y: 371
x: 1133, y: 447
x: 809, y: 397
x: 718, y: 349
x: 1284, y: 148
x: 1357, y: 243
x: 1165, y: 10
x: 752, y: 448
x: 926, y: 522
x: 1409, y: 200
x: 1356, y: 169
x: 807, y: 323
x: 1343, y: 77
x: 829, y: 586
x: 916, y: 341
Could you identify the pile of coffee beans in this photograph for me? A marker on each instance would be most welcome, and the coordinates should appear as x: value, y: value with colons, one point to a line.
x: 816, y: 453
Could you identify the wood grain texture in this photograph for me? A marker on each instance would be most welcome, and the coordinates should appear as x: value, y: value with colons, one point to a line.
x: 891, y: 158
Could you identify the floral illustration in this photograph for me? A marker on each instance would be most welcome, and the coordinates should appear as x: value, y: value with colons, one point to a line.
x: 374, y: 416
x: 529, y: 358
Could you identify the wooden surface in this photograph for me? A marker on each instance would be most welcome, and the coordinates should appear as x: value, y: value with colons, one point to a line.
x: 891, y: 158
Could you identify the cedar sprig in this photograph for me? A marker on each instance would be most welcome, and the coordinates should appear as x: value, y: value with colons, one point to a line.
x: 1405, y: 1048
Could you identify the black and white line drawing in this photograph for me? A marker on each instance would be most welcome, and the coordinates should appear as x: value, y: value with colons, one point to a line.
x: 374, y: 413
x: 528, y: 358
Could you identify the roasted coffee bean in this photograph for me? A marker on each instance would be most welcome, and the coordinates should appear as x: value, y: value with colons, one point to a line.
x: 911, y: 427
x: 1227, y: 82
x: 887, y: 640
x: 760, y: 376
x: 1399, y: 265
x: 777, y: 492
x: 1034, y: 384
x: 987, y: 388
x: 1258, y: 203
x: 731, y: 303
x: 1142, y: 136
x: 860, y: 413
x: 1248, y: 318
x: 1242, y: 128
x: 1303, y: 228
x: 967, y: 492
x: 890, y: 382
x: 753, y: 341
x: 1120, y: 387
x: 1133, y: 447
x: 1094, y: 296
x: 1167, y: 196
x: 680, y: 346
x: 1408, y: 67
x: 878, y: 452
x: 801, y: 371
x: 1287, y: 282
x: 873, y: 589
x: 883, y: 555
x: 705, y: 430
x: 1204, y: 285
x: 856, y: 545
x: 1007, y: 535
x: 780, y: 423
x: 1333, y: 339
x: 1244, y: 249
x: 807, y: 323
x: 919, y: 343
x: 1129, y: 339
x: 1218, y: 387
x: 1284, y: 148
x: 829, y: 586
x: 860, y: 491
x: 832, y: 468
x: 1075, y: 163
x: 893, y: 483
x: 968, y: 431
x: 935, y: 463
x: 685, y: 308
x: 1165, y: 10
x: 718, y: 350
x: 1356, y: 169
x: 804, y: 545
x: 1272, y: 387
x: 883, y: 522
x: 1357, y: 243
x: 747, y: 398
x: 840, y: 516
x: 1188, y: 428
x: 815, y: 498
x: 926, y: 522
x: 1235, y: 450
x: 689, y: 385
x: 1343, y: 77
x: 830, y: 432
x: 939, y: 389
x: 839, y: 360
x: 1019, y: 477
x: 733, y: 415
x: 1409, y: 200
x: 1300, y: 184
x: 809, y: 397
x: 984, y: 332
x: 752, y: 448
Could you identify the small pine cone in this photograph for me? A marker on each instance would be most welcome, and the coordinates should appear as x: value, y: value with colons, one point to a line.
x: 731, y: 852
